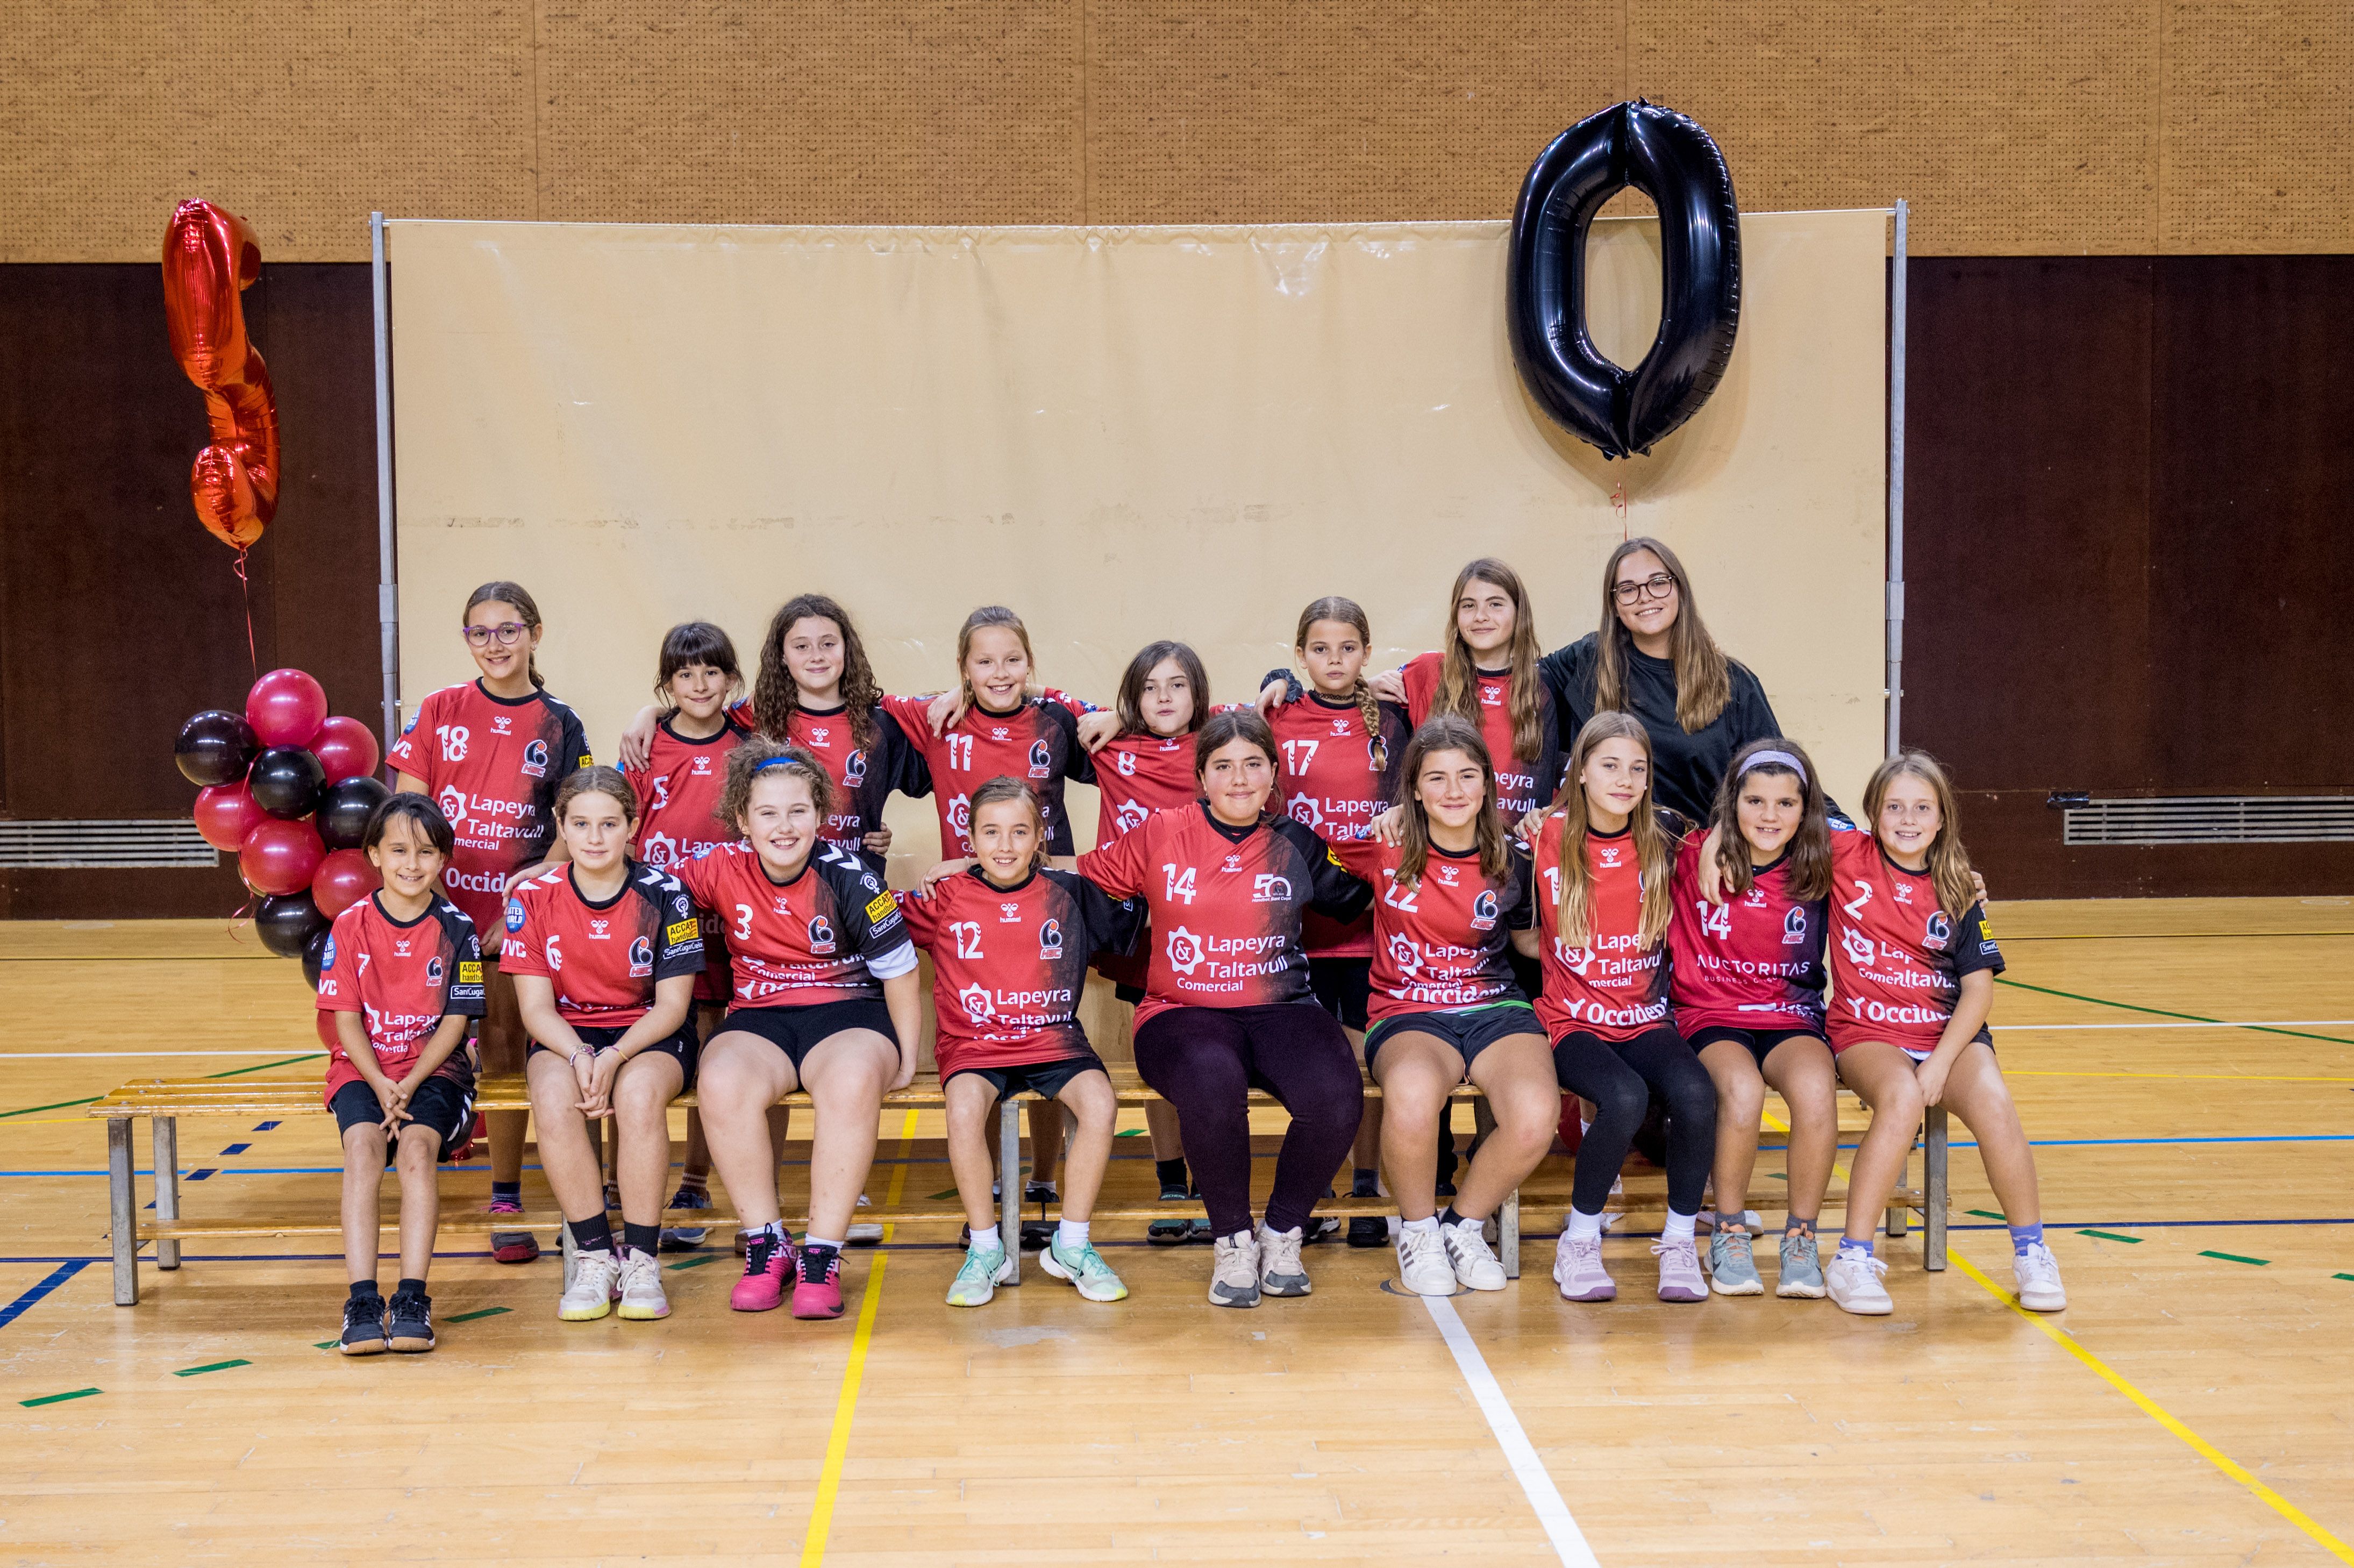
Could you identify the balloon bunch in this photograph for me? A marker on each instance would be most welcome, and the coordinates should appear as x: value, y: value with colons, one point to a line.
x: 289, y: 791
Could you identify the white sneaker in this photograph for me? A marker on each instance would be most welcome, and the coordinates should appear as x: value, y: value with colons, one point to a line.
x: 1423, y: 1269
x: 1280, y: 1272
x: 1578, y: 1269
x: 1234, y: 1271
x: 641, y: 1288
x: 867, y: 1234
x: 589, y: 1295
x: 2037, y: 1274
x: 1854, y: 1280
x: 1474, y: 1262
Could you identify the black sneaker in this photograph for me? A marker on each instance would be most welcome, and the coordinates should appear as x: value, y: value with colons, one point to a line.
x: 1368, y: 1230
x: 412, y: 1322
x: 1036, y: 1234
x: 1040, y: 1192
x: 1171, y: 1232
x: 363, y: 1325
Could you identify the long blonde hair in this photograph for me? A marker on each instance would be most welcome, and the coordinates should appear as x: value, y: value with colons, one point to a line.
x: 1949, y: 863
x: 990, y: 615
x: 1654, y: 852
x: 1459, y: 676
x: 1703, y: 681
x: 1349, y: 612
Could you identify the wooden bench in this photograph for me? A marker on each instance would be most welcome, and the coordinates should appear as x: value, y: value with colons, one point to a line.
x: 163, y: 1101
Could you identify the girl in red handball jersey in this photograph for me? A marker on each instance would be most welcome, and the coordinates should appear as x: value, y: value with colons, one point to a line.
x: 1227, y: 1004
x: 401, y: 979
x: 1447, y: 902
x: 827, y: 998
x: 1913, y: 969
x: 685, y: 761
x: 605, y: 952
x: 1605, y: 856
x: 1010, y: 940
x: 1746, y: 981
x: 491, y: 753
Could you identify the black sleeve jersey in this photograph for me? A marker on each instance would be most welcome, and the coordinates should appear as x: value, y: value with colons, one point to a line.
x: 1113, y: 925
x: 1331, y: 891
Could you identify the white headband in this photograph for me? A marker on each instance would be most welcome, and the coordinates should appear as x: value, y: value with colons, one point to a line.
x: 1776, y: 759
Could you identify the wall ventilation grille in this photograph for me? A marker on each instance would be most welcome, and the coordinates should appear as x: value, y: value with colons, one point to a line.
x: 109, y: 843
x: 2213, y: 820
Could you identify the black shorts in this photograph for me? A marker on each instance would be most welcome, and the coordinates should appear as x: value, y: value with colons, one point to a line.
x: 1130, y: 994
x: 685, y: 1046
x: 445, y: 1105
x: 1470, y: 1030
x: 797, y: 1031
x: 1044, y: 1079
x: 1343, y: 987
x: 1760, y: 1042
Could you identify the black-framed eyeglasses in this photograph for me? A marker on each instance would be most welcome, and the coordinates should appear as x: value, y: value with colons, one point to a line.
x: 1659, y: 585
x: 506, y: 634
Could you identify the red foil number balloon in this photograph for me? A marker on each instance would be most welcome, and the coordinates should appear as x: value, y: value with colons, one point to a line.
x: 210, y: 258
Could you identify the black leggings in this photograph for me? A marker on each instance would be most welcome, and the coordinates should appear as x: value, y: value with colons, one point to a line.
x: 1204, y: 1060
x: 1619, y: 1077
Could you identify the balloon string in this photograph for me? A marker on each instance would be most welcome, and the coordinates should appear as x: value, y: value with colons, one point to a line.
x: 233, y: 920
x: 1618, y: 503
x: 245, y: 586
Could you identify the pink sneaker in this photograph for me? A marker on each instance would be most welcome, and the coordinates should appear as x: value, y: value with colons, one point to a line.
x: 1680, y: 1279
x: 1578, y: 1269
x: 822, y: 1297
x: 511, y: 1247
x: 766, y: 1264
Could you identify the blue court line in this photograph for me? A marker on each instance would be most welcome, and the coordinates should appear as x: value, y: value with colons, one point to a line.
x: 236, y: 1148
x: 67, y: 1268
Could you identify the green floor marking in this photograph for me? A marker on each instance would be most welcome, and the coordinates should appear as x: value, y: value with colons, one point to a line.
x: 61, y: 1105
x: 480, y: 1312
x: 2162, y: 1012
x: 2342, y: 1277
x: 210, y: 1366
x: 326, y: 1344
x: 937, y: 1197
x: 2112, y: 1235
x: 2235, y: 1257
x: 265, y: 1066
x: 1130, y: 1132
x: 690, y: 1263
x: 57, y: 1398
x: 1985, y: 1214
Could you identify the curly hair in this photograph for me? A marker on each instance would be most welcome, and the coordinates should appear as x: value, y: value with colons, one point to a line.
x: 776, y: 696
x: 759, y: 755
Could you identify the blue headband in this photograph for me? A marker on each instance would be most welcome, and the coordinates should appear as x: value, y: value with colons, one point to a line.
x: 1776, y: 759
x: 782, y: 759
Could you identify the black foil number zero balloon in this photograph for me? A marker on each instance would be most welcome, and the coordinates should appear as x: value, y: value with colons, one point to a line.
x: 1671, y: 159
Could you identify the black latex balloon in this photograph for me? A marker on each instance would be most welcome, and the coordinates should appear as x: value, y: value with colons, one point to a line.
x: 1668, y: 157
x: 215, y: 747
x: 314, y: 951
x: 285, y: 781
x: 287, y: 924
x: 344, y: 809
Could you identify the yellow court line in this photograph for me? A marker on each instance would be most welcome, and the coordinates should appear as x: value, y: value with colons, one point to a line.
x: 2200, y: 1077
x: 837, y: 1444
x: 2151, y: 1408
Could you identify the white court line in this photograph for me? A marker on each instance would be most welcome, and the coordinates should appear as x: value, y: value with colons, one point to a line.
x: 75, y: 1055
x: 2218, y: 1023
x: 1568, y: 1541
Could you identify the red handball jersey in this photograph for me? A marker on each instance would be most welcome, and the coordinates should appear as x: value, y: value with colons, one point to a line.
x: 603, y: 958
x: 403, y: 980
x: 1137, y: 775
x: 1441, y: 943
x: 863, y: 776
x: 1897, y: 959
x: 1611, y: 986
x: 830, y: 934
x: 1226, y: 906
x: 491, y: 763
x: 1009, y: 963
x: 678, y: 817
x: 1755, y: 962
x: 1037, y: 743
x: 1334, y: 780
x: 1523, y: 784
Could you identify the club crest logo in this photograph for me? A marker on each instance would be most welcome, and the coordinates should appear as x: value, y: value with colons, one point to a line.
x: 535, y: 760
x: 1042, y: 760
x: 1184, y: 950
x: 1483, y: 910
x: 976, y: 1003
x: 1794, y: 929
x: 853, y: 770
x: 821, y: 934
x: 1857, y: 946
x: 641, y: 957
x: 1936, y: 932
x: 1050, y: 940
x: 452, y: 802
x: 433, y: 970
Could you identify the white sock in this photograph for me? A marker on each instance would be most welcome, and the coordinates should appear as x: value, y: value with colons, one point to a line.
x: 811, y: 1241
x: 1071, y: 1235
x: 984, y: 1239
x: 1428, y: 1225
x: 1278, y: 1235
x: 1585, y: 1227
x: 1679, y: 1227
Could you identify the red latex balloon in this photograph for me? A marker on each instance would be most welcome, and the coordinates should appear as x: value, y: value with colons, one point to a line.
x: 211, y: 257
x: 346, y: 748
x: 280, y: 857
x: 286, y: 708
x: 226, y: 813
x: 343, y: 879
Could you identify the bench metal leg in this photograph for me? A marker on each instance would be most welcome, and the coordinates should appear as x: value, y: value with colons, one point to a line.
x: 1933, y: 1181
x: 1508, y: 1227
x: 122, y: 1207
x: 1009, y: 1181
x: 1898, y: 1211
x: 167, y: 1184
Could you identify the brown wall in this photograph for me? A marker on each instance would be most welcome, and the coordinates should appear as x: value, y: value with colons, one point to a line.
x: 2017, y: 127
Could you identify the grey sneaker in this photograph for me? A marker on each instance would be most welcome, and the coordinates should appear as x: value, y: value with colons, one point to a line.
x: 1802, y: 1266
x: 1732, y: 1268
x: 1679, y: 1277
x: 1234, y: 1271
x: 1280, y: 1272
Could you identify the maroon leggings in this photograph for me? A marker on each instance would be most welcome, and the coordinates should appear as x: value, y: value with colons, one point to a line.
x: 1204, y: 1060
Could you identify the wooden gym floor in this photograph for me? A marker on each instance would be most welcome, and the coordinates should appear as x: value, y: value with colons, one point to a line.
x: 2186, y: 1069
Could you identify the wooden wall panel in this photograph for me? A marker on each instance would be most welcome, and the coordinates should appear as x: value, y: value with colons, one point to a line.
x: 2258, y: 141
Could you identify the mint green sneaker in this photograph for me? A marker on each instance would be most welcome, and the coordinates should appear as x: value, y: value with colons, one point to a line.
x: 1085, y: 1269
x: 978, y: 1280
x: 1732, y: 1266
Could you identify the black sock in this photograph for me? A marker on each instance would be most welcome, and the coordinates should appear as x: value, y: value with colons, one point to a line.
x: 815, y: 1258
x: 363, y: 1288
x: 507, y: 1190
x: 645, y: 1238
x: 1448, y: 1216
x: 410, y: 1287
x: 592, y: 1234
x: 1171, y: 1173
x: 1365, y: 1184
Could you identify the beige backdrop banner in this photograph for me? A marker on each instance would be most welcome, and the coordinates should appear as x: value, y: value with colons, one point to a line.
x: 1124, y: 434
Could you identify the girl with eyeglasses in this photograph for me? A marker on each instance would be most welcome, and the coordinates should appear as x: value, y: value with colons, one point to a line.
x: 491, y: 753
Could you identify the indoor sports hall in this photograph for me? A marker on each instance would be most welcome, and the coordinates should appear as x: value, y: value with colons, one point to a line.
x: 1200, y: 781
